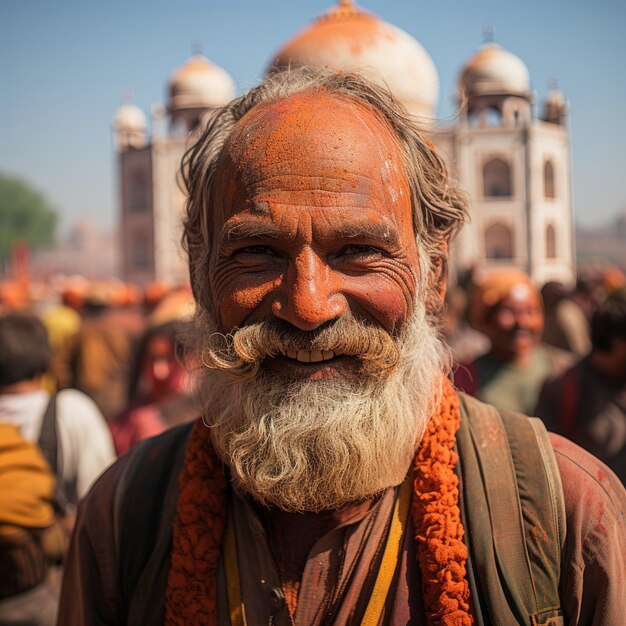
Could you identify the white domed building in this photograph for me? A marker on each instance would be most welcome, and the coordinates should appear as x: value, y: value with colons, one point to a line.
x: 514, y: 166
x: 151, y: 201
x: 130, y: 127
x: 516, y: 169
x: 348, y: 38
x: 196, y: 87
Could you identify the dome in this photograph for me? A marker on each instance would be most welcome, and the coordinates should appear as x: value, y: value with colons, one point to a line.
x: 556, y: 98
x: 200, y: 84
x: 349, y: 38
x: 494, y: 71
x: 555, y: 108
x: 130, y: 118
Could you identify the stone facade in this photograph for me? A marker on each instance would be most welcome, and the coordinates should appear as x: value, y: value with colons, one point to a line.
x: 151, y: 200
x: 514, y: 165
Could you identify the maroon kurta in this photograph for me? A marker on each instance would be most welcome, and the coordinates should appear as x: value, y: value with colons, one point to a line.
x: 338, y: 574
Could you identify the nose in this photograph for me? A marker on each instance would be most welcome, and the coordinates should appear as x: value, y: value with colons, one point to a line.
x: 310, y: 294
x: 523, y: 318
x: 161, y: 369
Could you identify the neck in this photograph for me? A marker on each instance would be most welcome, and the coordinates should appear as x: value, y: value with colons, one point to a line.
x: 160, y: 397
x: 521, y: 358
x: 23, y: 386
x: 293, y: 535
x: 606, y: 364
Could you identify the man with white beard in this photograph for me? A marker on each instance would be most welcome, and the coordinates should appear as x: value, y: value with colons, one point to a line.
x: 323, y: 484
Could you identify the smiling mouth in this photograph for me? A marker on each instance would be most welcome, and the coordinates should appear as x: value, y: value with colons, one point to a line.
x: 311, y: 356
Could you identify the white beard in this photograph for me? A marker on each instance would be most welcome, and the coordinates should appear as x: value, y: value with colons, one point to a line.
x: 315, y: 445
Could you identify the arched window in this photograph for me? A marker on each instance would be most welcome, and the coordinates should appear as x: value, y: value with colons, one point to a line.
x: 499, y: 242
x: 493, y: 118
x: 497, y: 179
x: 550, y: 242
x: 548, y: 180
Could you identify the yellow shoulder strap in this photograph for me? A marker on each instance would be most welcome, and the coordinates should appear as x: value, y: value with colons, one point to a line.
x: 390, y: 556
x: 383, y: 579
x: 231, y: 565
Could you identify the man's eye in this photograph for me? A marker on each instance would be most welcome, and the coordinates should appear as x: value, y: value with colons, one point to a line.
x: 356, y: 250
x: 265, y: 250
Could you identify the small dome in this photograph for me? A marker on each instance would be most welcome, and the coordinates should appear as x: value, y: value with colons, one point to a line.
x: 130, y: 118
x: 555, y: 107
x: 494, y: 71
x: 200, y: 84
x: 351, y: 39
x: 556, y: 98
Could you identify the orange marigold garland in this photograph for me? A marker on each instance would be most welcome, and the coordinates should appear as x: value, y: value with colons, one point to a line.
x: 437, y: 518
x: 191, y: 596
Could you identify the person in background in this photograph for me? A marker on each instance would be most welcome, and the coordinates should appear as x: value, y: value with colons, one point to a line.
x: 587, y: 403
x: 29, y: 588
x: 465, y: 342
x: 506, y: 306
x: 14, y: 296
x: 566, y: 325
x: 63, y: 321
x: 159, y: 389
x: 71, y: 433
x: 611, y: 279
x: 154, y: 293
x: 85, y: 447
x: 97, y: 358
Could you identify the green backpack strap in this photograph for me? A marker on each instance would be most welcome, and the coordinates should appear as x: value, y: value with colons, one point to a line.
x: 512, y: 504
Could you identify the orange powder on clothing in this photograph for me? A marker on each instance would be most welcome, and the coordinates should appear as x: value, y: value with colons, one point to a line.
x: 191, y: 596
x: 441, y: 553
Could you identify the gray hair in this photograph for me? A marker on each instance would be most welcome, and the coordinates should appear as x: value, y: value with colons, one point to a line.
x: 439, y: 207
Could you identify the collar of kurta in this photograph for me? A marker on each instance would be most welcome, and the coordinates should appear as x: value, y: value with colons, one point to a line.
x: 198, y: 533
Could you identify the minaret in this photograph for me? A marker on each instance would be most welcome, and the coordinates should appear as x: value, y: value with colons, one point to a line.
x: 129, y: 126
x: 555, y: 108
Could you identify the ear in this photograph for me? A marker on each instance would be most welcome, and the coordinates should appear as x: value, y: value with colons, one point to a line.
x: 439, y: 271
x: 437, y: 280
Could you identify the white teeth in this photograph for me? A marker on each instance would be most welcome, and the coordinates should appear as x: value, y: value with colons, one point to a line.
x: 310, y: 356
x: 304, y: 356
x: 316, y: 356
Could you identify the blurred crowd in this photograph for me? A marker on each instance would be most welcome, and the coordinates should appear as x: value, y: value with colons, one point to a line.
x: 555, y: 353
x: 89, y: 369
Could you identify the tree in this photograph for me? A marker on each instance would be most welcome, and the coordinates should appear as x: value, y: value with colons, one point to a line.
x: 25, y: 216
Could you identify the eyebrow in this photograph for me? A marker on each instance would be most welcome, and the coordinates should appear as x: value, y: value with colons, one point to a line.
x: 252, y: 229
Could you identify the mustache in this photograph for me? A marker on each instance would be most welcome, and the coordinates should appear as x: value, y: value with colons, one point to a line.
x: 240, y: 353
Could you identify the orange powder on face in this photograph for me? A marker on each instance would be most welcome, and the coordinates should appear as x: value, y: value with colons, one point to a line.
x: 311, y: 165
x: 317, y: 136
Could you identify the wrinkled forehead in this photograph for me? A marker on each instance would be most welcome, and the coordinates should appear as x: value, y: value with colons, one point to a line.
x: 319, y: 136
x: 329, y: 125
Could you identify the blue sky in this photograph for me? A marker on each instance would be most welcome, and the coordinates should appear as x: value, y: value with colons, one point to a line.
x: 65, y: 66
